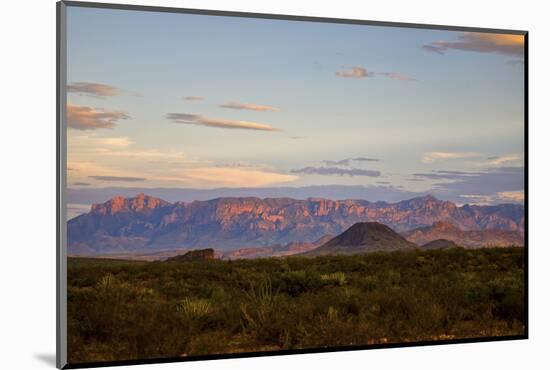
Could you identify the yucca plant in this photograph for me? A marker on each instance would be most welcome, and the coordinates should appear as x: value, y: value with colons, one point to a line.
x: 338, y: 278
x: 194, y: 307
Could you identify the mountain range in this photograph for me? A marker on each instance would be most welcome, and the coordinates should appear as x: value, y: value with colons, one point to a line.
x: 466, y: 238
x: 147, y: 223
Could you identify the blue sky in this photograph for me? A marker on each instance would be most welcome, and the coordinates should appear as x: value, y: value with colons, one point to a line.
x: 193, y: 101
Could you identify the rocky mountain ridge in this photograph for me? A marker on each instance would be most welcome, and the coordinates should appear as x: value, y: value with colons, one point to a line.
x: 466, y: 238
x: 147, y: 223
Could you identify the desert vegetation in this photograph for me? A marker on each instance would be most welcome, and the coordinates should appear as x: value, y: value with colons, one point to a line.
x: 123, y: 310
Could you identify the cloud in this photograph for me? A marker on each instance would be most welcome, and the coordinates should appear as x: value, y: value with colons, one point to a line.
x: 479, y: 200
x: 434, y: 48
x: 93, y: 169
x: 92, y: 146
x: 360, y: 72
x: 229, y: 176
x: 504, y: 181
x: 81, y: 184
x: 254, y: 107
x: 337, y: 171
x: 458, y: 173
x: 343, y: 162
x: 193, y: 98
x: 431, y: 157
x: 86, y: 118
x: 444, y: 175
x: 364, y: 159
x: 141, y: 154
x: 499, y: 160
x: 513, y: 196
x: 347, y: 161
x: 517, y: 196
x: 195, y: 119
x: 93, y: 89
x: 117, y: 142
x: 396, y: 76
x: 354, y: 72
x: 511, y: 45
x: 118, y: 178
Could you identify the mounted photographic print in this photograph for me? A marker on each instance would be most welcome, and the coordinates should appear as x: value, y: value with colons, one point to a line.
x: 236, y: 184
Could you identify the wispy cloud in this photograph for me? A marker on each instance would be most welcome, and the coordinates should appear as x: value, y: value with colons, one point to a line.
x: 444, y: 175
x: 499, y: 160
x: 342, y: 162
x: 117, y: 142
x: 511, y: 45
x: 354, y: 72
x: 516, y: 196
x: 477, y: 199
x: 193, y: 98
x: 93, y: 89
x: 513, y: 196
x: 81, y: 184
x: 337, y: 171
x: 195, y: 119
x: 87, y: 118
x: 228, y: 177
x: 141, y: 154
x: 396, y: 76
x: 431, y: 157
x: 118, y: 178
x: 486, y: 186
x: 361, y: 72
x: 365, y: 159
x: 249, y: 106
x: 92, y: 146
x: 347, y: 161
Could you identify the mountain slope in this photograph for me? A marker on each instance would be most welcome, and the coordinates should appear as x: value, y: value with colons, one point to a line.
x: 148, y: 223
x: 195, y: 255
x: 276, y: 250
x: 465, y: 238
x: 440, y: 244
x: 364, y: 237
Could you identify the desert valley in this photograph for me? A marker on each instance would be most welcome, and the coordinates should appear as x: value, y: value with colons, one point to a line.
x: 241, y: 275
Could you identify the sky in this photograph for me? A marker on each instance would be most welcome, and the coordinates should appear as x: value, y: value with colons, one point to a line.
x: 180, y: 101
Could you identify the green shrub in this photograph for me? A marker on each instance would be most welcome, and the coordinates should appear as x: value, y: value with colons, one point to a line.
x: 122, y: 310
x: 338, y: 278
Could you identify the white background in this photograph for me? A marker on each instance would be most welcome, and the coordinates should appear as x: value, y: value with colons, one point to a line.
x: 27, y: 197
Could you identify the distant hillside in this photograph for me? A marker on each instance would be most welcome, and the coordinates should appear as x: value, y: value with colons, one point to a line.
x: 440, y: 244
x: 195, y: 255
x: 144, y: 223
x: 276, y: 250
x: 465, y: 238
x: 364, y: 237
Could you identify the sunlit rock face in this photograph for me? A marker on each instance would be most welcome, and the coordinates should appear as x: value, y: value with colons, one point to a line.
x: 147, y: 223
